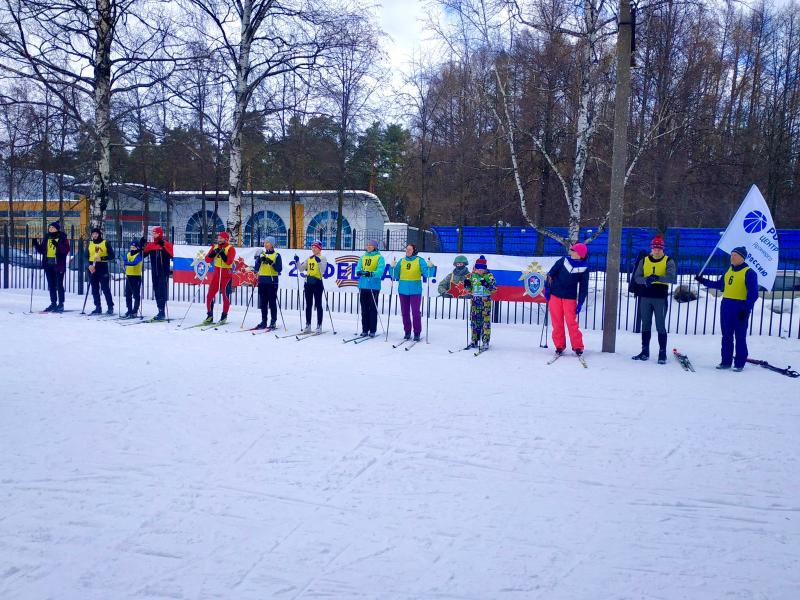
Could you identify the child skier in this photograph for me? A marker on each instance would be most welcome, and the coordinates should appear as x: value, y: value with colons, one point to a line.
x: 739, y: 288
x: 480, y: 283
x: 409, y: 271
x: 370, y: 272
x: 314, y: 266
x: 100, y: 253
x: 133, y: 279
x: 566, y: 289
x: 268, y: 267
x: 222, y: 255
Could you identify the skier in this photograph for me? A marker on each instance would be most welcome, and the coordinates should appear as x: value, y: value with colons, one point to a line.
x: 653, y: 276
x: 739, y: 288
x: 314, y: 266
x: 221, y: 254
x: 409, y: 271
x: 370, y: 273
x: 54, y: 250
x: 133, y: 279
x: 452, y: 285
x: 269, y: 267
x: 160, y: 252
x: 566, y: 289
x: 480, y: 283
x: 100, y: 252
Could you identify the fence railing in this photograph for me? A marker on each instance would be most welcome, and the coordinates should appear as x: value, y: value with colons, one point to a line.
x: 775, y: 312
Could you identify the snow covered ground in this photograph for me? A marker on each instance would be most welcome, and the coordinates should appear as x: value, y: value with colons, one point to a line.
x: 150, y: 462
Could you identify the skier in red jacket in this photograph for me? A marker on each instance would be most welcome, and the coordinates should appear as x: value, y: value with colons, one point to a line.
x: 221, y: 255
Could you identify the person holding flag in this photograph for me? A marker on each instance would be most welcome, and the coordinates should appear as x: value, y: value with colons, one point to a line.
x: 739, y: 287
x: 221, y: 255
x: 452, y: 286
x: 751, y: 239
x: 370, y: 273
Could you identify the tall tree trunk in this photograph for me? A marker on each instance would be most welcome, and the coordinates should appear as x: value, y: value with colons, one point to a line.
x: 102, y: 100
x: 242, y: 96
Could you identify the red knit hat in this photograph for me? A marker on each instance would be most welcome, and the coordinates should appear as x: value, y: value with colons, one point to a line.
x: 158, y: 232
x: 580, y: 248
x: 658, y: 242
x: 224, y: 235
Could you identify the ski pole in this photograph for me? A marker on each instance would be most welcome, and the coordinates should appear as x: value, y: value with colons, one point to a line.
x: 299, y: 297
x: 330, y: 316
x: 427, y: 303
x: 543, y: 334
x: 391, y: 290
x: 86, y: 296
x: 248, y: 306
x: 280, y: 310
x: 194, y: 295
x: 375, y: 303
x: 31, y: 308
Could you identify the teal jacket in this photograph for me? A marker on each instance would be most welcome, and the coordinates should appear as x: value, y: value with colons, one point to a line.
x: 371, y: 281
x: 411, y: 287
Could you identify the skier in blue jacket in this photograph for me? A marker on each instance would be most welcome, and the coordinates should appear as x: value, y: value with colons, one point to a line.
x: 739, y: 287
x: 370, y: 273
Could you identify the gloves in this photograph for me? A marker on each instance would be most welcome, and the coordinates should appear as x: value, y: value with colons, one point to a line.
x: 213, y: 253
x: 360, y: 273
x: 699, y: 279
x: 468, y: 283
x: 267, y: 261
x: 578, y: 308
x: 366, y: 274
x: 221, y: 254
x: 547, y: 290
x: 651, y: 279
x: 429, y: 263
x: 316, y: 258
x: 743, y: 314
x: 296, y: 259
x: 160, y: 242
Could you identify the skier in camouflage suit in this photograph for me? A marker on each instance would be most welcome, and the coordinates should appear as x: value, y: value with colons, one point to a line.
x: 480, y: 284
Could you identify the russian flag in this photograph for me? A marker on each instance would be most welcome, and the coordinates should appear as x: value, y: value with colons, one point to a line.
x: 511, y: 287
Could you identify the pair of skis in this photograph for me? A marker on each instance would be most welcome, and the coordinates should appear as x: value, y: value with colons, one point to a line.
x: 581, y: 359
x: 787, y: 371
x: 358, y: 339
x: 477, y: 350
x: 303, y: 335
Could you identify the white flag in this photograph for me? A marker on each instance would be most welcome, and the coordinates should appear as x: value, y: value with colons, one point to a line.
x: 752, y: 227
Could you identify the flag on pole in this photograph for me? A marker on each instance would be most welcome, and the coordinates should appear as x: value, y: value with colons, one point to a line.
x: 752, y: 227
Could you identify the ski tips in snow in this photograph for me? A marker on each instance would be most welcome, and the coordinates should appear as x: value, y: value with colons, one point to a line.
x: 683, y: 360
x: 763, y: 363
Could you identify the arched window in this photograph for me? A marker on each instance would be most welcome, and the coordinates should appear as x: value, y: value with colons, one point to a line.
x: 323, y: 228
x: 194, y: 228
x: 262, y: 224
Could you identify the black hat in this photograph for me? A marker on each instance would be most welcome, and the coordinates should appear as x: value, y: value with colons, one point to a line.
x: 97, y: 230
x: 55, y: 224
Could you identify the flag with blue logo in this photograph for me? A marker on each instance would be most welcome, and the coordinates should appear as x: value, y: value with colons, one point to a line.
x: 752, y: 227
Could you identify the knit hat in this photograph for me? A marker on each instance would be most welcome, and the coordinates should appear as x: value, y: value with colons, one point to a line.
x: 580, y: 248
x: 270, y: 239
x: 135, y: 243
x: 741, y: 251
x: 460, y: 259
x: 55, y: 224
x: 481, y: 263
x: 658, y: 242
x: 373, y: 243
x: 158, y: 232
x: 97, y: 230
x: 316, y: 243
x: 224, y: 235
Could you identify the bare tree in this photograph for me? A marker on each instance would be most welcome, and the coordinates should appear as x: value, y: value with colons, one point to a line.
x: 91, y: 47
x: 258, y: 40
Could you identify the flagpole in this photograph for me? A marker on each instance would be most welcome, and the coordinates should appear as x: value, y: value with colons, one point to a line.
x: 708, y: 260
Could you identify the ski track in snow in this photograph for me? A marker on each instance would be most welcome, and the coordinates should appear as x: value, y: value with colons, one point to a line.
x: 151, y: 462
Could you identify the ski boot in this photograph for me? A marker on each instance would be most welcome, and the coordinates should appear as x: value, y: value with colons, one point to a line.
x: 578, y: 352
x: 209, y: 319
x: 160, y: 316
x: 59, y: 308
x: 110, y: 310
x: 645, y: 353
x: 737, y: 369
x: 662, y: 348
x: 50, y: 308
x: 723, y: 367
x: 407, y: 336
x: 416, y: 338
x: 96, y: 311
x: 223, y: 318
x: 273, y: 324
x: 307, y: 328
x: 372, y: 334
x: 261, y: 325
x: 318, y: 330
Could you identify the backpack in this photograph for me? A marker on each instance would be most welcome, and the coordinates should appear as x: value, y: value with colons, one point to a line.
x: 636, y: 288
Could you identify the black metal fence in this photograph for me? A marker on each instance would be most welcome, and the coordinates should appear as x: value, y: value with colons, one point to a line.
x: 775, y: 314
